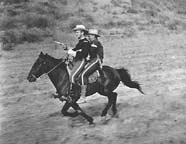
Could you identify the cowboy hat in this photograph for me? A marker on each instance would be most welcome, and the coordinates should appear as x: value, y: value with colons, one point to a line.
x: 93, y: 32
x: 80, y: 27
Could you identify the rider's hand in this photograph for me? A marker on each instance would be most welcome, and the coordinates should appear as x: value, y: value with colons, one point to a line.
x: 70, y: 58
x: 71, y: 52
x: 65, y: 47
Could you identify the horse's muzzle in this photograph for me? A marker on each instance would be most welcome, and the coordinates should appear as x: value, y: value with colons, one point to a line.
x: 31, y: 78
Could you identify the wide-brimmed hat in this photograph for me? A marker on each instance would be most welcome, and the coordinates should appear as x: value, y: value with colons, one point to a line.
x: 93, y: 32
x: 80, y: 27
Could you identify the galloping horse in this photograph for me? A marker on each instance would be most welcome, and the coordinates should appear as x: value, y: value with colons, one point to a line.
x: 57, y: 71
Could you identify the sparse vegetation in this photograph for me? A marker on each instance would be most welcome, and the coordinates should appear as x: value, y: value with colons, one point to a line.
x: 152, y: 47
x: 21, y: 17
x: 26, y: 23
x: 13, y: 1
x: 132, y: 10
x: 74, y: 22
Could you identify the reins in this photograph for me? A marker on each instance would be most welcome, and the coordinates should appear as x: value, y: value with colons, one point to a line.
x: 65, y: 48
x: 49, y: 70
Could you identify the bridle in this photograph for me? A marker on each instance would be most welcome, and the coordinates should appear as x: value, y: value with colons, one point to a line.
x: 63, y: 60
x: 46, y: 73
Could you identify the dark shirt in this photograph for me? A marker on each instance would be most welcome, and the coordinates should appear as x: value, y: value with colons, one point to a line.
x: 96, y: 49
x: 82, y: 49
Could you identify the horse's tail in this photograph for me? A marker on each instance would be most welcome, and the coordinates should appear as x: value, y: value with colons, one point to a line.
x: 126, y: 79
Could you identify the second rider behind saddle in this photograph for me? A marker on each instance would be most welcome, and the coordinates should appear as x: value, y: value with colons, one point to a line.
x: 87, y: 53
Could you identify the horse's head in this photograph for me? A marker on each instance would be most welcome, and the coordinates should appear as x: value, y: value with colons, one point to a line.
x: 38, y: 68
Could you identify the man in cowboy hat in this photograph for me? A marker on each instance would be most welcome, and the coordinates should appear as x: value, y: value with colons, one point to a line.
x: 80, y: 54
x: 96, y: 56
x: 96, y: 46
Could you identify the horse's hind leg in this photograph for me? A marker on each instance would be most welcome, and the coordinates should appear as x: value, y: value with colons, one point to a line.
x: 65, y: 112
x: 114, y: 109
x: 82, y: 113
x: 110, y: 102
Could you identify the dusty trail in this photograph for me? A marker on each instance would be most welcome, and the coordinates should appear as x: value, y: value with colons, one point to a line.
x: 29, y: 115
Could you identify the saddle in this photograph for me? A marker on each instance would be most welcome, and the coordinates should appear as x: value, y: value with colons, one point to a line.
x: 92, y: 77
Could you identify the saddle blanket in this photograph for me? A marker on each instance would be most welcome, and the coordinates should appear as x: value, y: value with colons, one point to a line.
x: 93, y: 77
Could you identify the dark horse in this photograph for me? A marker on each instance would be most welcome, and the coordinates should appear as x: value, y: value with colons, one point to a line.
x: 57, y: 71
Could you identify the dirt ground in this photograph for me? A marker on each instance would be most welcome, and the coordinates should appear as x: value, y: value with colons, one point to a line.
x: 28, y: 114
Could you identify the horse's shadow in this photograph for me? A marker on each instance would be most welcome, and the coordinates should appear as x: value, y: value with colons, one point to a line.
x: 55, y: 114
x: 92, y: 108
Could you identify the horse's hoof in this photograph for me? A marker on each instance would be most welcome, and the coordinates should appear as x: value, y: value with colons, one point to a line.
x: 105, y: 119
x: 81, y: 101
x: 92, y: 123
x: 115, y: 115
x: 54, y: 96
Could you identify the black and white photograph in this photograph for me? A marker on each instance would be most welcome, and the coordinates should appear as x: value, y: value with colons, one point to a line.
x: 92, y: 71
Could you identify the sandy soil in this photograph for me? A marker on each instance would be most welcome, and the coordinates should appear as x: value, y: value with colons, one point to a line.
x: 28, y: 114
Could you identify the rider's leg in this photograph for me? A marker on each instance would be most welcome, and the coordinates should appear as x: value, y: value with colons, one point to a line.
x: 100, y: 70
x: 84, y: 77
x: 83, y: 94
x: 77, y: 71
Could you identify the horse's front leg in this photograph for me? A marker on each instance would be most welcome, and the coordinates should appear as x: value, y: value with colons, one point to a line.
x: 82, y: 113
x: 65, y: 112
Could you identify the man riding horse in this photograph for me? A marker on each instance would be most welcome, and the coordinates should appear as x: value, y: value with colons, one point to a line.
x: 58, y: 72
x: 95, y: 58
x: 90, y: 54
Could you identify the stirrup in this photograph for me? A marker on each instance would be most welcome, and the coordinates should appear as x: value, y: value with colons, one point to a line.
x: 55, y: 95
x: 82, y: 100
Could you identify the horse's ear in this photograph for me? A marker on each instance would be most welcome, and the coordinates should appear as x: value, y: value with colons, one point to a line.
x: 41, y: 53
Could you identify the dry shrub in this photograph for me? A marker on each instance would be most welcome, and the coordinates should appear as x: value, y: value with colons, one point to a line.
x: 116, y: 3
x: 109, y: 25
x: 37, y: 20
x: 13, y: 1
x: 129, y: 32
x: 80, y: 11
x: 75, y: 22
x: 43, y: 8
x: 8, y: 23
x: 12, y: 12
x: 151, y: 13
x: 21, y: 24
x: 163, y: 19
x: 64, y: 16
x: 173, y: 25
x: 64, y: 2
x: 124, y: 23
x: 118, y: 24
x: 88, y: 19
x: 34, y: 34
x: 132, y: 10
x: 29, y: 20
x: 147, y: 5
x: 17, y: 36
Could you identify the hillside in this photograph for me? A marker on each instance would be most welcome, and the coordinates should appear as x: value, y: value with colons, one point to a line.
x: 123, y: 17
x: 147, y: 37
x: 34, y: 21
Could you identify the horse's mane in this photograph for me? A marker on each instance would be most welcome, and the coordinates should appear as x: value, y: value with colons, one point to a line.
x: 51, y: 58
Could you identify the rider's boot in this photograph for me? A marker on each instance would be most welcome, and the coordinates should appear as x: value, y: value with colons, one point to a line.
x: 56, y: 95
x: 83, y: 94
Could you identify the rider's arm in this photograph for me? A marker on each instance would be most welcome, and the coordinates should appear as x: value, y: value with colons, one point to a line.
x: 100, y: 51
x: 82, y: 49
x: 84, y: 52
x: 71, y: 52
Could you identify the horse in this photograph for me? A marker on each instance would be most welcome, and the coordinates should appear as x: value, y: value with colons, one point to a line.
x: 57, y: 71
